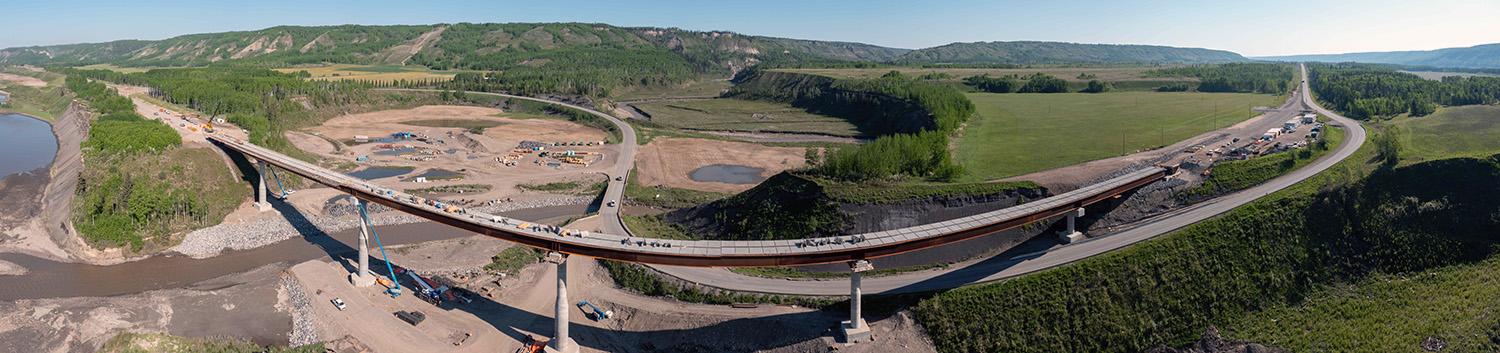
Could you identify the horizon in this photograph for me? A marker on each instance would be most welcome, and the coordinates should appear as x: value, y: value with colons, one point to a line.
x: 1408, y: 27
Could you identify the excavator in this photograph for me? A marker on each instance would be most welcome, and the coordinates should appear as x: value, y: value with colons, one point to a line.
x: 532, y: 345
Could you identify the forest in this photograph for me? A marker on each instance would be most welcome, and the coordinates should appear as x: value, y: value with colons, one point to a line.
x: 1273, y: 252
x: 119, y: 129
x: 1366, y: 91
x: 1235, y: 77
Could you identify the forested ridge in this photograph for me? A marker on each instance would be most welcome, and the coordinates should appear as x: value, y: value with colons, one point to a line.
x: 1365, y: 91
x: 1273, y: 252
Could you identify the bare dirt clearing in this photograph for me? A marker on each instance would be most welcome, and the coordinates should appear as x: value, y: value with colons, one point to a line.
x: 27, y: 81
x: 671, y: 161
x: 451, y: 154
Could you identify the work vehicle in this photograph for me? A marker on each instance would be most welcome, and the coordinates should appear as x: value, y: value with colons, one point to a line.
x: 598, y: 313
x: 411, y: 317
x: 339, y: 303
x: 532, y: 345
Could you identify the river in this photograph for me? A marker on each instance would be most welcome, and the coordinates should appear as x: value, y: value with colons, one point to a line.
x: 26, y: 144
x: 47, y: 279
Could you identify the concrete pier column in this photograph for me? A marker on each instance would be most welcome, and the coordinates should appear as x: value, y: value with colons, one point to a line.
x: 561, y: 343
x: 1071, y: 234
x: 856, y: 330
x: 362, y: 276
x: 260, y: 186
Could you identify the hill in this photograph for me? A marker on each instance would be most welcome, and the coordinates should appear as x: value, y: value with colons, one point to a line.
x: 1485, y: 56
x: 1028, y: 52
x: 489, y: 46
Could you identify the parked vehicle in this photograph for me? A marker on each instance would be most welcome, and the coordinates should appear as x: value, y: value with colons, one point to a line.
x: 411, y: 317
x: 339, y: 303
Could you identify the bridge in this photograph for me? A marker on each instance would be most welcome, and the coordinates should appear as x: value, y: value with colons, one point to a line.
x: 854, y: 249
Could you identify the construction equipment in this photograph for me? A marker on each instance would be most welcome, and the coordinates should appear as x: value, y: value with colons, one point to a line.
x: 532, y: 345
x: 599, y: 314
x: 395, y: 289
x: 208, y: 128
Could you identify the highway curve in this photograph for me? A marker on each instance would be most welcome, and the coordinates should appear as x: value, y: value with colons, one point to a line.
x: 999, y: 267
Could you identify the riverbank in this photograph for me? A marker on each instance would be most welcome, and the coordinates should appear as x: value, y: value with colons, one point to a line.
x: 37, y: 200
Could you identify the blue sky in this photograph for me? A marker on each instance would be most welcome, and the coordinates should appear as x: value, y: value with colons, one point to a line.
x: 1271, y: 27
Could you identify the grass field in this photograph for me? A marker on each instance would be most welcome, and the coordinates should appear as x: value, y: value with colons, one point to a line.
x: 369, y: 73
x: 1452, y: 132
x: 744, y: 115
x: 1015, y: 134
x: 704, y: 87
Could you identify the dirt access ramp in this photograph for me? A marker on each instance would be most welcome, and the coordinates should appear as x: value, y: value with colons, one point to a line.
x: 670, y: 161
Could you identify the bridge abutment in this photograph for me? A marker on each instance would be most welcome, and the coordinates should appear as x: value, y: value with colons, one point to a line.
x: 362, y: 276
x: 856, y: 330
x: 1070, y: 235
x: 561, y: 343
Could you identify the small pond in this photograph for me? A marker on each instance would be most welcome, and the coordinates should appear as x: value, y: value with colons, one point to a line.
x: 439, y: 174
x: 27, y: 144
x: 397, y: 151
x: 372, y: 173
x: 727, y: 173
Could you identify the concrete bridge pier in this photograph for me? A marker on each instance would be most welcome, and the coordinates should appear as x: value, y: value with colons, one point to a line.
x: 856, y: 330
x: 363, y: 277
x: 261, y: 202
x: 561, y: 343
x: 1071, y: 234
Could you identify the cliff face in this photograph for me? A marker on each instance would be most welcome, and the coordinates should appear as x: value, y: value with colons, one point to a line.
x: 71, y: 128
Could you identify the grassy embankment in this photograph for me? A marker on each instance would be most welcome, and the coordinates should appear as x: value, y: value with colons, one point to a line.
x: 525, y: 109
x: 1014, y: 134
x: 702, y: 87
x: 565, y: 188
x: 511, y: 260
x: 1336, y: 263
x: 43, y: 102
x: 744, y: 116
x: 165, y: 343
x: 643, y: 280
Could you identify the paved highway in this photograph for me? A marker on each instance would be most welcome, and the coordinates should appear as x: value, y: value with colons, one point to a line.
x: 1007, y: 265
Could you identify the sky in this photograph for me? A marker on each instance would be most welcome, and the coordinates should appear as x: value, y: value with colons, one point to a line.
x: 1251, y: 28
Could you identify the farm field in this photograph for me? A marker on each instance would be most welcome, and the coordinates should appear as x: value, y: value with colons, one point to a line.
x: 1438, y: 75
x: 369, y: 72
x: 1452, y: 132
x: 744, y: 115
x: 1123, y: 78
x: 1014, y: 134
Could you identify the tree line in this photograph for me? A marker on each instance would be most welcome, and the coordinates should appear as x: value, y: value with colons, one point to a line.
x: 1269, y: 78
x: 1365, y: 91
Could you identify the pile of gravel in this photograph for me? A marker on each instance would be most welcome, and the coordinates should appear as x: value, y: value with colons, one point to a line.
x: 214, y: 240
x: 304, y: 330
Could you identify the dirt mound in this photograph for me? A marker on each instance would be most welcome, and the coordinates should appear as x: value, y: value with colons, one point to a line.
x: 792, y: 206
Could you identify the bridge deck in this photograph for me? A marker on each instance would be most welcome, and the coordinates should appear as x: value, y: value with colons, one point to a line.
x: 711, y: 252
